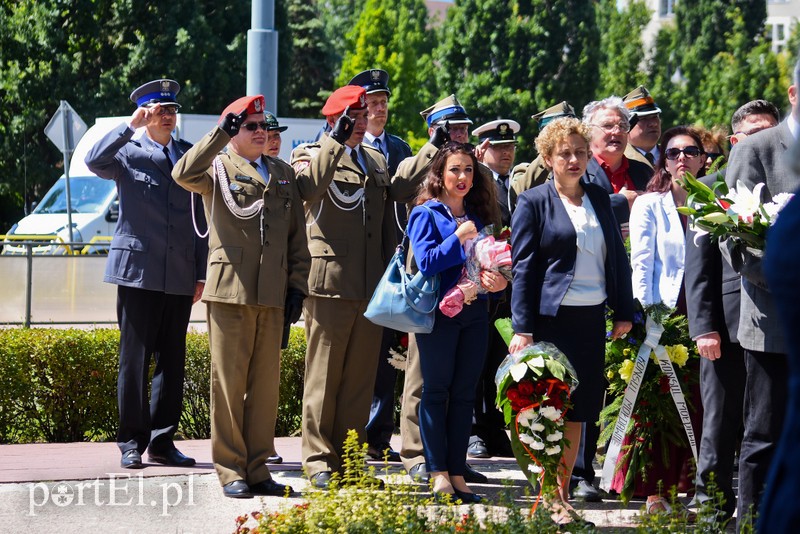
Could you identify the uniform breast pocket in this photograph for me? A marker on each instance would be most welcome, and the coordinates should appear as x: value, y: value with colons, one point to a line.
x: 244, y: 193
x: 144, y: 183
x: 284, y: 195
x: 222, y: 278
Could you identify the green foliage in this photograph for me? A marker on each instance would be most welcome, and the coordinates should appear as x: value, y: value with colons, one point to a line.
x: 93, y: 53
x: 353, y: 505
x: 394, y: 37
x: 60, y: 385
x: 621, y: 50
x: 310, y: 56
x: 544, y: 51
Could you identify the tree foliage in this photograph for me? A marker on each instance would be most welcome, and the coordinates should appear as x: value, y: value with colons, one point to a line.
x: 395, y: 38
x: 622, y: 54
x: 542, y: 52
x: 93, y: 53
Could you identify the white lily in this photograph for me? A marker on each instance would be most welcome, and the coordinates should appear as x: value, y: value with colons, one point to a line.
x: 536, y: 363
x: 779, y: 201
x: 745, y: 203
x: 518, y: 371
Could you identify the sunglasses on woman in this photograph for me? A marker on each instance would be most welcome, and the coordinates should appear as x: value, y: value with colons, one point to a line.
x: 674, y: 153
x: 253, y: 126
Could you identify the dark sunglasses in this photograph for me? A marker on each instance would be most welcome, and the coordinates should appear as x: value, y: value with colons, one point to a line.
x: 714, y: 155
x: 253, y: 126
x: 690, y: 152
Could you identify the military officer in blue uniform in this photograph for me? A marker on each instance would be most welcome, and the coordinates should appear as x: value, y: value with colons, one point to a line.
x: 159, y: 265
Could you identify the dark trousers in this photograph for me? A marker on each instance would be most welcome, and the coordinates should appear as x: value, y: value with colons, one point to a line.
x: 381, y: 414
x: 765, y: 397
x: 584, y: 469
x: 151, y: 324
x: 489, y: 424
x: 451, y: 359
x: 722, y: 384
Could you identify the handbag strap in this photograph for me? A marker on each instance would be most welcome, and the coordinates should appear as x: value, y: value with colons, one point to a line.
x: 418, y: 289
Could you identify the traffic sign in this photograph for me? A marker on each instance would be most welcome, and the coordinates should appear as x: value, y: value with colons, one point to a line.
x: 66, y: 128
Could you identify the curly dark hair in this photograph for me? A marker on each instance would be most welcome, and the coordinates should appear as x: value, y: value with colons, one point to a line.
x: 480, y: 200
x: 661, y: 180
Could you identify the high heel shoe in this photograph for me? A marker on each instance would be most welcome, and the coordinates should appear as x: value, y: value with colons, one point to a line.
x: 467, y: 497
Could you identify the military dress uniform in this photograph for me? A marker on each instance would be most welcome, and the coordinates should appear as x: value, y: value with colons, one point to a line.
x: 257, y: 254
x: 156, y: 260
x: 347, y: 239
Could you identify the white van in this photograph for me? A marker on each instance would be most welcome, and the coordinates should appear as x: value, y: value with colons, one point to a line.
x: 94, y: 201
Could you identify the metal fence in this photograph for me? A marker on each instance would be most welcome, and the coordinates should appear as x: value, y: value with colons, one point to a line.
x: 47, y: 289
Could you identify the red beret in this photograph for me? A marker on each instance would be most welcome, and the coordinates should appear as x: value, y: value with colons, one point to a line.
x: 253, y: 105
x: 349, y: 95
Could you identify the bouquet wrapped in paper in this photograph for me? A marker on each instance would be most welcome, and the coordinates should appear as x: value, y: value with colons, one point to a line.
x: 533, y: 392
x: 484, y: 253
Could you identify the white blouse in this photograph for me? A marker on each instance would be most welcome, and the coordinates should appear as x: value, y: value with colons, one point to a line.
x: 588, y: 286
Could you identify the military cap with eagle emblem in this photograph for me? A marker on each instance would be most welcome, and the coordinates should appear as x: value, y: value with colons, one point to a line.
x: 497, y: 132
x: 156, y: 92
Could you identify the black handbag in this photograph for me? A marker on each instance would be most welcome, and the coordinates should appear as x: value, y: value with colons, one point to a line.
x: 403, y: 301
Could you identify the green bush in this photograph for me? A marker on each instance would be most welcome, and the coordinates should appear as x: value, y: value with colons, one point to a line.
x: 61, y: 385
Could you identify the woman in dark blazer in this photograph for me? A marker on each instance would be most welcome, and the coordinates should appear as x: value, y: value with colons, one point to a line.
x: 569, y: 263
x: 453, y: 205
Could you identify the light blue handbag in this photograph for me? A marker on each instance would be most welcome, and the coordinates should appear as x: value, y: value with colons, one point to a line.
x: 403, y: 301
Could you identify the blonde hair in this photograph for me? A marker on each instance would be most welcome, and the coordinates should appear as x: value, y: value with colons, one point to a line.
x: 558, y: 131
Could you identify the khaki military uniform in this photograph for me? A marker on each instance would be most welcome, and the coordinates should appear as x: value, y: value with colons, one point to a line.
x: 348, y: 244
x: 526, y: 176
x: 632, y: 153
x: 253, y: 259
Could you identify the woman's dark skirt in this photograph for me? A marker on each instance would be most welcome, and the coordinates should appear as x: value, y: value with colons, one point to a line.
x: 580, y: 333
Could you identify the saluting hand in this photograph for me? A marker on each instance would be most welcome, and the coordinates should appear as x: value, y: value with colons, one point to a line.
x: 343, y: 128
x: 480, y: 150
x: 232, y: 122
x: 142, y: 116
x: 440, y: 135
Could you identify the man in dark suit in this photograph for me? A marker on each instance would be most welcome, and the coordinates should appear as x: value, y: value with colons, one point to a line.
x: 713, y: 291
x: 624, y: 179
x: 159, y: 266
x: 381, y: 416
x: 760, y: 159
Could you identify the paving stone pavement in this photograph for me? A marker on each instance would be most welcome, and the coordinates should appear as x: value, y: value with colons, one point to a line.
x: 79, y: 487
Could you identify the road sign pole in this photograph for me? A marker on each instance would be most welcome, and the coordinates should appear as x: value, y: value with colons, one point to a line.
x: 66, y: 109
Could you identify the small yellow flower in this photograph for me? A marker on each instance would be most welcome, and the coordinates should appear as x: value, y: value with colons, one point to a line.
x: 626, y: 370
x: 678, y: 354
x: 610, y: 374
x: 626, y: 352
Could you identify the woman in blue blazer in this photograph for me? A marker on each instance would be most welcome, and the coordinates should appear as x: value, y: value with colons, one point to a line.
x: 569, y: 263
x: 454, y: 203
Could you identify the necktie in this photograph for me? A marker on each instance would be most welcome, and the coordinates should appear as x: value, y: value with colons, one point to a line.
x: 650, y: 157
x: 355, y: 156
x: 169, y: 160
x: 379, y: 146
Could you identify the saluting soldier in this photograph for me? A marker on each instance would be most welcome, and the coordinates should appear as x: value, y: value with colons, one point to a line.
x: 447, y: 120
x: 528, y: 175
x: 380, y: 426
x: 158, y: 264
x: 347, y: 190
x: 257, y: 279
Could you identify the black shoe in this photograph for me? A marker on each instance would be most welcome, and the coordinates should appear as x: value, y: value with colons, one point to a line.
x: 473, y: 477
x: 321, y: 480
x: 477, y: 448
x: 501, y: 450
x: 131, y: 459
x: 584, y: 491
x: 238, y: 489
x: 275, y: 459
x: 419, y: 473
x: 467, y: 497
x: 171, y: 456
x: 270, y: 487
x: 376, y: 452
